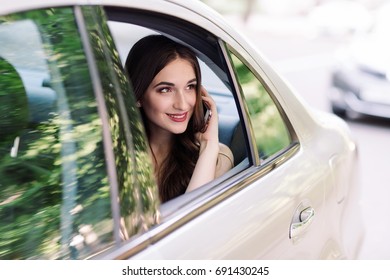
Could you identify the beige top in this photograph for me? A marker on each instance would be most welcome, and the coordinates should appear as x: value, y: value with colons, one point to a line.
x: 225, y: 160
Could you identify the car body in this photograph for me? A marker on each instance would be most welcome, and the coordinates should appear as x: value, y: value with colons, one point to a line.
x: 360, y: 84
x: 75, y: 170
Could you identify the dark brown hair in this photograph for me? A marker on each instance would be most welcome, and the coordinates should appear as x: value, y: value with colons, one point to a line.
x: 145, y: 60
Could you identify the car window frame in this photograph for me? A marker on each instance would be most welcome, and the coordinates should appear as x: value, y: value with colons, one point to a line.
x: 180, y: 30
x: 288, y: 151
x: 186, y: 207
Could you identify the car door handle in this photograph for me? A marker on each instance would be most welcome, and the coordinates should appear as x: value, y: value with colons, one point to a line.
x: 304, y: 220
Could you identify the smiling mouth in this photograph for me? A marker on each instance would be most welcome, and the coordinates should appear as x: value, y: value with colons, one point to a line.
x: 178, y: 117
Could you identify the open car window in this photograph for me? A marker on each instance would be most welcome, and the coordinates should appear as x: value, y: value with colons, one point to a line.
x: 215, y: 79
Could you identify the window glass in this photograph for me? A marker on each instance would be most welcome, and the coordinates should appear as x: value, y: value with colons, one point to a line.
x: 269, y: 128
x: 137, y: 190
x: 54, y: 191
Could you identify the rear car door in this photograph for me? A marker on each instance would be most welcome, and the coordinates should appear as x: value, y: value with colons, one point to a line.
x: 271, y: 204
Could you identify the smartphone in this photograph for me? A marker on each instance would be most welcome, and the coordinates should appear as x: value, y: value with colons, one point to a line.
x: 207, y: 113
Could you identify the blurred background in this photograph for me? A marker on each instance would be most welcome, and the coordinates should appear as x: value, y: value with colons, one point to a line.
x: 308, y: 42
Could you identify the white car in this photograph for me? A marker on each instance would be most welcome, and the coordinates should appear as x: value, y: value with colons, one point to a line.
x: 76, y: 179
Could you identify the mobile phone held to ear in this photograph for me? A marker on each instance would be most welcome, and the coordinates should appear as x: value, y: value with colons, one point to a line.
x: 207, y: 113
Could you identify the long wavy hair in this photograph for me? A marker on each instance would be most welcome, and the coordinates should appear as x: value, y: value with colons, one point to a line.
x: 145, y: 60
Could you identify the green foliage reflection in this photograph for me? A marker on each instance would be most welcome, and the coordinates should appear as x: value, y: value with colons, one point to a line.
x: 270, y: 130
x: 54, y: 196
x: 137, y: 189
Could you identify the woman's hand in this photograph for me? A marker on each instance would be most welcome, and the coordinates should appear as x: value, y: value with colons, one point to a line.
x: 211, y: 132
x: 205, y: 167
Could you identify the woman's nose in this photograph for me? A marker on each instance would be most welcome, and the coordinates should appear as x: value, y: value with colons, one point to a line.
x: 180, y: 102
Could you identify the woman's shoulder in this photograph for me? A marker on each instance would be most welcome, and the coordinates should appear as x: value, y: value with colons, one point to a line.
x: 225, y: 151
x: 225, y: 160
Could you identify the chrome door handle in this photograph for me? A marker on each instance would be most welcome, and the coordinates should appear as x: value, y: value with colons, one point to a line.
x: 305, y: 218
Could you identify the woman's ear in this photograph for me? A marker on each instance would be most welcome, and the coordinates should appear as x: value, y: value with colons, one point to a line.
x: 138, y: 104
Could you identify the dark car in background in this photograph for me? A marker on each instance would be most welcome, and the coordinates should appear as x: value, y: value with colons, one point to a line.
x: 360, y: 84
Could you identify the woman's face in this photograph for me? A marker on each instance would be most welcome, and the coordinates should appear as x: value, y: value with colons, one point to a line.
x: 169, y: 100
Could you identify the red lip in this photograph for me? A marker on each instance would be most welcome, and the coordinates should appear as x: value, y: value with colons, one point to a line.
x: 178, y: 117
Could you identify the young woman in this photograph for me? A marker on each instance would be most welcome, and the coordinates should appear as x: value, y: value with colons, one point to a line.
x: 184, y: 142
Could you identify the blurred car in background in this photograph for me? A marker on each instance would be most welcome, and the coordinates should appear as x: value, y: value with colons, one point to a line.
x: 360, y: 84
x: 76, y: 177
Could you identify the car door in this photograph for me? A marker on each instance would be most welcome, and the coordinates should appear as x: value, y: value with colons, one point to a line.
x: 271, y: 204
x: 294, y: 190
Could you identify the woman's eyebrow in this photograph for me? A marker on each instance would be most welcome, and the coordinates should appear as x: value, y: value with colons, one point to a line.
x: 191, y: 81
x: 165, y: 84
x: 172, y: 84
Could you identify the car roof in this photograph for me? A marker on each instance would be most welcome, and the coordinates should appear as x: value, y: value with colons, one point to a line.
x: 193, y: 11
x: 193, y: 6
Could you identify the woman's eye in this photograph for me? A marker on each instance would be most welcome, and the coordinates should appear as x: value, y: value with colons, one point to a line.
x: 191, y: 86
x: 164, y: 90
